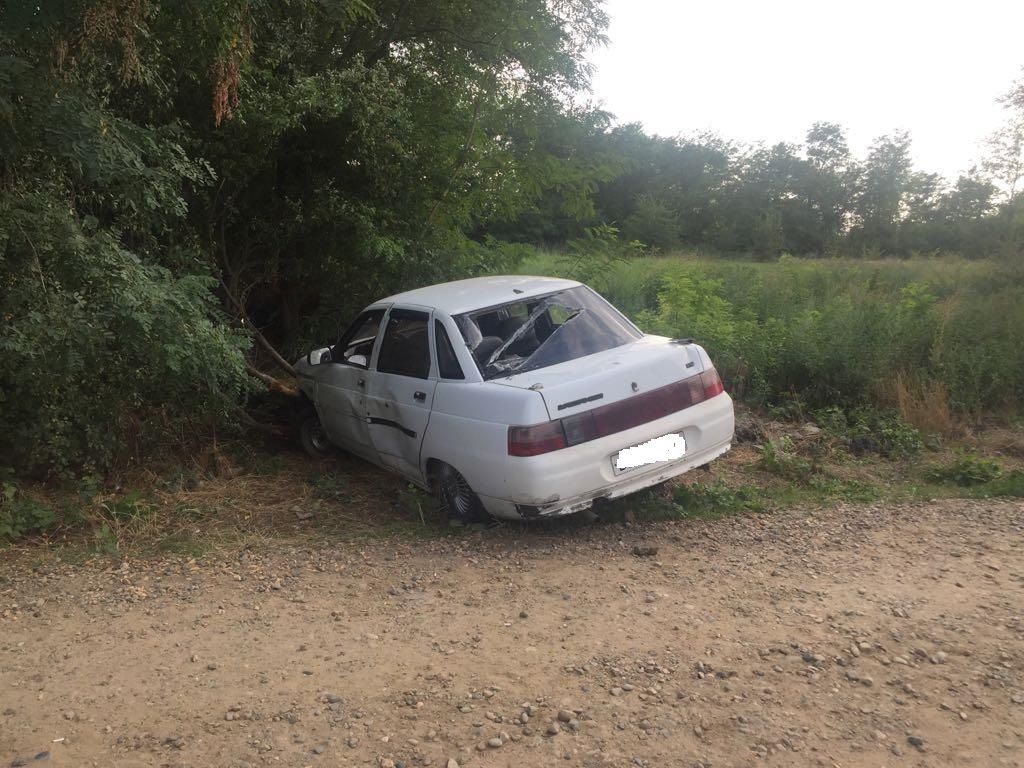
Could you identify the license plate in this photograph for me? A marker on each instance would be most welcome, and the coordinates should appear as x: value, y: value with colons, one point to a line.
x: 664, y: 448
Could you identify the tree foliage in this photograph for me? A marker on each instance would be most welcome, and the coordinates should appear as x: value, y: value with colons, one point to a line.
x: 177, y: 176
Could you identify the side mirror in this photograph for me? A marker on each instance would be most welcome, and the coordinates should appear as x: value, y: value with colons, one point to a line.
x: 319, y: 356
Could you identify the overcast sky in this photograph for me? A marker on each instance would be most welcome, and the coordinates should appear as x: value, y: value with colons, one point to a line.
x: 764, y: 71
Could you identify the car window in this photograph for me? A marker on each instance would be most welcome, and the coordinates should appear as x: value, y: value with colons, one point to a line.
x: 447, y: 364
x: 546, y: 330
x: 405, y: 349
x: 356, y: 344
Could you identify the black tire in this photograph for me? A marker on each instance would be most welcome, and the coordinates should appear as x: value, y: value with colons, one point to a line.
x: 458, y: 500
x: 312, y: 436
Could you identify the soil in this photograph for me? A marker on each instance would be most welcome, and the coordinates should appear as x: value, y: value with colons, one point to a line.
x: 859, y: 635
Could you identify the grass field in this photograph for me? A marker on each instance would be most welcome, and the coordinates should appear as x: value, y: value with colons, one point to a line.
x: 939, y: 340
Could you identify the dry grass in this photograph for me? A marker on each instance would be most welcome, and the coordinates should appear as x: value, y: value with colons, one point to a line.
x: 925, y: 405
x: 228, y: 497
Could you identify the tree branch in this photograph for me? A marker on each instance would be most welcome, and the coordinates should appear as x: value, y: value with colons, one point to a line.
x: 251, y: 327
x: 274, y: 385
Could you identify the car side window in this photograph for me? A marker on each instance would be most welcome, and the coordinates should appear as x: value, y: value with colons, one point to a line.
x: 447, y: 364
x: 356, y: 344
x: 405, y: 350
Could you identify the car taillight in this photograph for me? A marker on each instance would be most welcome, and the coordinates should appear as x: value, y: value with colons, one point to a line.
x: 536, y: 439
x: 615, y: 417
x: 712, y: 383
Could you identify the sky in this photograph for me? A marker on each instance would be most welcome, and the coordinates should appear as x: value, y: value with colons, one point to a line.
x: 765, y: 71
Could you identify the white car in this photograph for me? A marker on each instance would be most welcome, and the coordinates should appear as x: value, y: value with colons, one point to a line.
x: 521, y: 397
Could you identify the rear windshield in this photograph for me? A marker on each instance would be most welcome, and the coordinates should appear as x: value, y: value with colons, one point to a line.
x: 543, y: 330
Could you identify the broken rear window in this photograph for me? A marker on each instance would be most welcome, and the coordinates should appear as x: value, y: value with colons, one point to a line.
x: 534, y: 333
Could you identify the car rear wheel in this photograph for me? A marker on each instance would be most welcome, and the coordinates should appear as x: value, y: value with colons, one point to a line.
x: 312, y: 436
x: 457, y: 499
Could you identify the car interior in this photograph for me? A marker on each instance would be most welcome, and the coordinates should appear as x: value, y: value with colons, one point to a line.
x: 499, y: 326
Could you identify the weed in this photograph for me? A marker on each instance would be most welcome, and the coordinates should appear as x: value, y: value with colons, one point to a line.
x: 867, y: 430
x: 1011, y: 484
x: 182, y: 544
x: 967, y: 470
x: 20, y: 516
x: 714, y: 499
x: 779, y: 458
x: 332, y: 486
x: 105, y: 540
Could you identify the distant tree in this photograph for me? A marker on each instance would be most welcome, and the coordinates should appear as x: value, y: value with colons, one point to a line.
x: 652, y: 222
x: 1005, y: 157
x: 881, y: 193
x: 828, y: 189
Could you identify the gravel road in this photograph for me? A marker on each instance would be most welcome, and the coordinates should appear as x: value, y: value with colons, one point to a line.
x: 855, y: 636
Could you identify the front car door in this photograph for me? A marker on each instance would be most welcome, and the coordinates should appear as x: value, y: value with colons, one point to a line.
x: 401, y: 391
x: 342, y: 384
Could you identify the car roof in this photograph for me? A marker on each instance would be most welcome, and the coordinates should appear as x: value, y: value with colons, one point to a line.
x: 479, y: 292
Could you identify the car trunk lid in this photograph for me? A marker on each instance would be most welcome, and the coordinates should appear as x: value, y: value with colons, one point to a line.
x: 607, y: 377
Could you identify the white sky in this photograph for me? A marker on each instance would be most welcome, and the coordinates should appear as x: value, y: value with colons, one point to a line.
x: 764, y: 71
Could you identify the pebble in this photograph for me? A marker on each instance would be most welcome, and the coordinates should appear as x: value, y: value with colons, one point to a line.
x: 553, y: 729
x: 565, y: 715
x: 494, y: 742
x: 917, y: 742
x: 452, y: 763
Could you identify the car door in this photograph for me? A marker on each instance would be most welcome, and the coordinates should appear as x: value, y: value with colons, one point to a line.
x: 401, y: 391
x: 342, y: 383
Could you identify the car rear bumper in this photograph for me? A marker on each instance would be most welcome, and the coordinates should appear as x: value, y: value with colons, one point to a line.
x: 570, y: 480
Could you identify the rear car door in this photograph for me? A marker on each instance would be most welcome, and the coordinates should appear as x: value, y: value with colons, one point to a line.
x: 400, y: 391
x: 342, y: 383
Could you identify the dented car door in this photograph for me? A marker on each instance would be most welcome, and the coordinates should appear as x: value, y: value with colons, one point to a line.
x: 342, y: 383
x: 400, y: 392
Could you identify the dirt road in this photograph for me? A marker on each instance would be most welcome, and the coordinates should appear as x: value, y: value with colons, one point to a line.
x: 855, y: 636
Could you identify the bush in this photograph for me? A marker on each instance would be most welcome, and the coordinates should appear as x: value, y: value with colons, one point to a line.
x: 867, y: 430
x: 20, y: 516
x: 967, y: 470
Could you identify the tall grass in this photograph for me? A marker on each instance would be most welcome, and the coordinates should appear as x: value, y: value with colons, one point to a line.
x: 930, y: 337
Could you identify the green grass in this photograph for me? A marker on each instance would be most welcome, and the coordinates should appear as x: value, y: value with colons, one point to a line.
x: 834, y: 332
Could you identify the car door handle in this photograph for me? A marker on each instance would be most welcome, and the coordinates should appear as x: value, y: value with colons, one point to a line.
x: 421, y: 396
x: 361, y: 382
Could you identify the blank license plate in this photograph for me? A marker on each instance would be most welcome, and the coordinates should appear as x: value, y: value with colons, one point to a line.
x: 664, y: 448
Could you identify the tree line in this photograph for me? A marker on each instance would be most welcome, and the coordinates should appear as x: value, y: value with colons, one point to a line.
x: 809, y: 199
x: 191, y: 193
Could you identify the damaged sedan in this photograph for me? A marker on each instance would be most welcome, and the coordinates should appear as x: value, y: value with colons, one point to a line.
x: 518, y: 397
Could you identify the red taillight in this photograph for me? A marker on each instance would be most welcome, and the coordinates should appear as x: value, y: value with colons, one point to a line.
x: 615, y: 417
x: 712, y: 383
x: 535, y: 440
